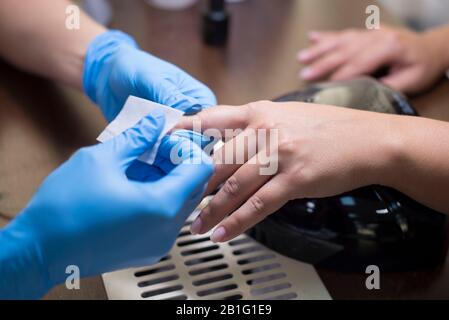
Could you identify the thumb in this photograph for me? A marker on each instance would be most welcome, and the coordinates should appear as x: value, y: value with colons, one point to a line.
x: 132, y: 143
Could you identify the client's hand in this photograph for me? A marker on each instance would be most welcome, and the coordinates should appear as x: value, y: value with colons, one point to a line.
x: 317, y: 151
x: 413, y: 61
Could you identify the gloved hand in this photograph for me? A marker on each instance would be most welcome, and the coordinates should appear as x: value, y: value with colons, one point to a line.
x: 88, y: 213
x: 115, y: 68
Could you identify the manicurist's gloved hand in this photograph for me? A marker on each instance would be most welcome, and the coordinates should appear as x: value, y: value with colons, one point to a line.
x: 116, y: 68
x: 91, y: 214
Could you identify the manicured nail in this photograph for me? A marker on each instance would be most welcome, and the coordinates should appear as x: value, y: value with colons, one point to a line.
x: 312, y: 35
x: 303, y: 55
x: 218, y: 235
x: 306, y: 73
x: 195, y: 228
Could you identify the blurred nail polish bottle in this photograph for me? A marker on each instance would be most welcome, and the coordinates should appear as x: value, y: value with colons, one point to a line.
x: 216, y: 23
x: 172, y: 4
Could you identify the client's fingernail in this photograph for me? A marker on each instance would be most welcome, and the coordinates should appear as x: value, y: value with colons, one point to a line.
x: 306, y: 73
x: 218, y: 235
x: 303, y: 55
x: 313, y: 35
x: 193, y: 110
x: 196, y: 226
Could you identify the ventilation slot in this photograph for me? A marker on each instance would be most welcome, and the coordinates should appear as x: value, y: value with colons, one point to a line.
x: 158, y: 280
x: 240, y: 241
x: 184, y: 233
x: 277, y: 287
x: 152, y: 293
x: 209, y: 292
x: 199, y: 250
x: 271, y: 277
x: 196, y: 272
x: 256, y: 259
x: 155, y: 270
x: 203, y: 260
x: 197, y: 268
x: 193, y: 241
x: 212, y: 280
x: 261, y: 268
x: 287, y: 296
x: 180, y: 297
x: 233, y: 297
x: 247, y: 250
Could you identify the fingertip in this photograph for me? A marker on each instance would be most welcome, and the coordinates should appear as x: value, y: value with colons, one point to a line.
x: 307, y: 74
x: 219, y: 235
x: 303, y: 56
x: 314, y: 35
x: 196, y: 226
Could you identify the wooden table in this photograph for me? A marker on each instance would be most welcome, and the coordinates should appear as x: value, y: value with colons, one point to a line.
x: 41, y: 124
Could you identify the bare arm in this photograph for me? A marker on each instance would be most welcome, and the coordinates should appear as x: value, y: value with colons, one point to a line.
x: 34, y: 37
x: 421, y: 169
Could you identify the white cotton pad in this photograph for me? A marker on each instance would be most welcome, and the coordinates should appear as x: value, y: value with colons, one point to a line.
x: 132, y: 112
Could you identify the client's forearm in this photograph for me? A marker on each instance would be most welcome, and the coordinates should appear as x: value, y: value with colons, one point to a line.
x: 421, y: 161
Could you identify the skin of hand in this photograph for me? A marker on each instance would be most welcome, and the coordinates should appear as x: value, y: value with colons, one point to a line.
x: 322, y: 151
x: 413, y: 61
x: 90, y: 213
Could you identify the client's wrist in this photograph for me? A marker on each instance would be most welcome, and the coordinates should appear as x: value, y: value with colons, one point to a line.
x: 386, y: 147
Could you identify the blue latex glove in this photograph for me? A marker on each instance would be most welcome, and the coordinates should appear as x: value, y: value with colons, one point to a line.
x: 88, y: 213
x: 115, y: 68
x: 141, y: 171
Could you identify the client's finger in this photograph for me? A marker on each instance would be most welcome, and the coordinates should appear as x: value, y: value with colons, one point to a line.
x: 270, y: 197
x: 231, y: 156
x: 220, y: 117
x: 236, y: 190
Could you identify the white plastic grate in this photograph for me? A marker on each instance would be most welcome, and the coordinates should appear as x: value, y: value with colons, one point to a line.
x: 197, y: 268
